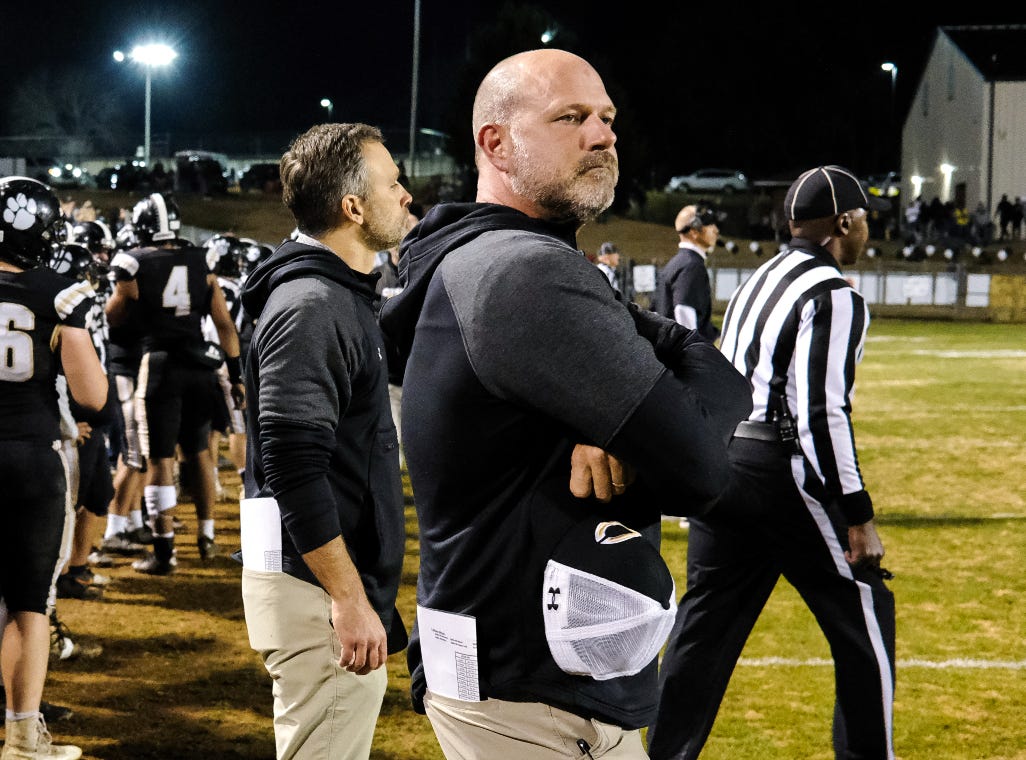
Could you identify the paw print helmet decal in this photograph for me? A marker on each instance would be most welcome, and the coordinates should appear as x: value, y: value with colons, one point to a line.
x: 30, y: 221
x: 156, y: 219
x: 224, y: 255
x: 253, y: 254
x: 76, y: 261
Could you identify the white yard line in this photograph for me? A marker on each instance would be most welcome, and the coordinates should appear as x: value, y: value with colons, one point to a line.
x: 959, y: 663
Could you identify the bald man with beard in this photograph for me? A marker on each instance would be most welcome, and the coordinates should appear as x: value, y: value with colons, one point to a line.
x: 520, y: 361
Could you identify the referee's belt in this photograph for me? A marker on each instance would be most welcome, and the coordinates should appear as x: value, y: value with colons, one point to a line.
x: 760, y: 431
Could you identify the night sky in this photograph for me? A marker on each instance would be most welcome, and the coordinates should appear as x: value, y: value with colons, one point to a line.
x: 722, y: 84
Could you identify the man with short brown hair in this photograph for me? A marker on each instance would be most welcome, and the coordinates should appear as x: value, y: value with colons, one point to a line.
x: 323, y: 525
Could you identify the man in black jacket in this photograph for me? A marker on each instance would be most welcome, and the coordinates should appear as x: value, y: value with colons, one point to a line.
x: 684, y: 293
x: 519, y: 357
x: 323, y: 530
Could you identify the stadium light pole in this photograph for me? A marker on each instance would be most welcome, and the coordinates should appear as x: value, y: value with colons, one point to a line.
x: 415, y: 84
x: 892, y: 69
x: 326, y: 103
x: 151, y: 55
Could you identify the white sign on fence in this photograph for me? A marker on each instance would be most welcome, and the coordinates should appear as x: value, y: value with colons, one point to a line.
x: 644, y: 278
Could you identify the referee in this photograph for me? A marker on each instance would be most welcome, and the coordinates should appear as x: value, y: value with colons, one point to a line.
x: 796, y: 329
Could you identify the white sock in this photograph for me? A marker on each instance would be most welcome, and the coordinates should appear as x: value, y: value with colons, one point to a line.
x: 115, y: 524
x: 207, y: 528
x: 11, y: 715
x: 135, y: 518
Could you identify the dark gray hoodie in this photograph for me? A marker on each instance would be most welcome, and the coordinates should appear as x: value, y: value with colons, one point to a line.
x: 321, y: 439
x: 515, y: 349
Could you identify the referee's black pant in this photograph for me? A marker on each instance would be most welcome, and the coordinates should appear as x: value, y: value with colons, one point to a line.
x: 733, y: 567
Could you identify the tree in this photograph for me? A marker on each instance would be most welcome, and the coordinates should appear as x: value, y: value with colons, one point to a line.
x: 72, y: 113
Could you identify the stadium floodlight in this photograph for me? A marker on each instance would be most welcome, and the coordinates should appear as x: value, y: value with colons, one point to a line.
x: 149, y: 56
x: 326, y: 103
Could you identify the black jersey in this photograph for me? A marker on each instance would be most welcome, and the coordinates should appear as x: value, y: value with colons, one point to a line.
x: 232, y: 290
x: 33, y: 305
x: 174, y: 294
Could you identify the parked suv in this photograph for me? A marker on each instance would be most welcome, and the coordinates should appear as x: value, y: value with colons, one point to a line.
x: 709, y: 180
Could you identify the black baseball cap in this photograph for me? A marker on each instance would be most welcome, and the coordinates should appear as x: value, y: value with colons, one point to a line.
x: 608, y: 247
x: 828, y: 191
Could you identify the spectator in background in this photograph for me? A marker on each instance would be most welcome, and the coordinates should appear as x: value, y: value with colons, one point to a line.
x: 683, y: 290
x: 961, y: 221
x: 914, y: 219
x: 608, y: 262
x: 1018, y: 210
x: 1003, y: 213
x: 981, y: 227
x: 938, y: 219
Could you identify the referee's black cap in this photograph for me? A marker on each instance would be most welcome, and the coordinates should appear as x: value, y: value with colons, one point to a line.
x: 828, y: 191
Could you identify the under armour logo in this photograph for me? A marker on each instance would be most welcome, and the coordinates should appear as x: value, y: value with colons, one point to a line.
x: 552, y: 605
x: 613, y: 532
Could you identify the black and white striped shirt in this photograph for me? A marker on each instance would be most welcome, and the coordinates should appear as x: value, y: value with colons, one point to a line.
x: 796, y: 329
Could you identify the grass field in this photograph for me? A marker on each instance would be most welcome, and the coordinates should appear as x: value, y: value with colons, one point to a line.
x: 939, y: 413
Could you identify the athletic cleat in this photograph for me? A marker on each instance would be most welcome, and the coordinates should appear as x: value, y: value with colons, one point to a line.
x: 55, y: 713
x: 62, y: 647
x: 97, y: 579
x: 100, y: 558
x: 141, y: 535
x: 86, y: 575
x: 121, y: 543
x: 151, y: 565
x: 51, y: 713
x: 207, y: 548
x: 75, y: 586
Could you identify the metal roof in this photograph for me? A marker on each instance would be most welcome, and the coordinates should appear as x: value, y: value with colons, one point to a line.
x: 998, y: 51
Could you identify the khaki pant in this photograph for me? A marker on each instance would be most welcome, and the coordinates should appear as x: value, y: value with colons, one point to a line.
x: 321, y: 711
x: 524, y: 730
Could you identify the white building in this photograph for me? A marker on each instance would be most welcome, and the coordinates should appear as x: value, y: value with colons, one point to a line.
x: 964, y: 139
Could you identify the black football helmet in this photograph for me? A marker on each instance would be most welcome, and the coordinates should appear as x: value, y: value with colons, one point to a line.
x: 30, y: 221
x: 75, y: 261
x: 156, y: 219
x: 126, y: 238
x: 96, y: 236
x: 253, y: 253
x: 224, y: 255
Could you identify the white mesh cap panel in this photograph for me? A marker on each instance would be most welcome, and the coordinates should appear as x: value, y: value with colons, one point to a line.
x: 599, y: 628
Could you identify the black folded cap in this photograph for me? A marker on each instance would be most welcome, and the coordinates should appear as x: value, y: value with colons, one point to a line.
x: 828, y: 191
